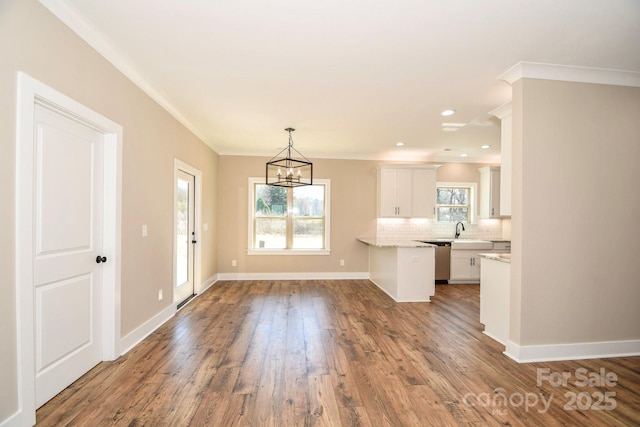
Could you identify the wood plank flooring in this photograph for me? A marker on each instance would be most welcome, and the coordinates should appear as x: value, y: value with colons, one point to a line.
x: 331, y: 353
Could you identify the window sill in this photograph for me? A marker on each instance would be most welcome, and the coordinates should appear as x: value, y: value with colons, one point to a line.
x: 289, y: 252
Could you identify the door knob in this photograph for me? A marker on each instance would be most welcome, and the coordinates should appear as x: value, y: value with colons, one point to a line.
x: 100, y: 259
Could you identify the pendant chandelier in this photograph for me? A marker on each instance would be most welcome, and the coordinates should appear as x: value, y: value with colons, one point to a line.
x: 289, y: 171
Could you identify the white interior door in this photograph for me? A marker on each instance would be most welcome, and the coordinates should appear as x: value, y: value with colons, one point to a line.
x: 185, y: 237
x: 68, y: 216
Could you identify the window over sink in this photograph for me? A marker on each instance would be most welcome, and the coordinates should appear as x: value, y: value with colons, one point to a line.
x: 455, y: 201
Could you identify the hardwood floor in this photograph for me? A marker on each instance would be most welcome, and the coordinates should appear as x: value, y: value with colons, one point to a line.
x: 303, y: 353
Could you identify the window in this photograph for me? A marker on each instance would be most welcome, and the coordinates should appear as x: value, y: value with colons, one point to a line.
x: 454, y: 202
x: 289, y: 220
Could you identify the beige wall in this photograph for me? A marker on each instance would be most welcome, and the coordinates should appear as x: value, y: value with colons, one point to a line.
x: 460, y: 172
x: 575, y: 212
x: 353, y: 214
x: 34, y: 41
x: 574, y: 237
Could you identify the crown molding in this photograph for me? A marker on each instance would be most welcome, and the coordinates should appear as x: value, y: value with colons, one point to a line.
x: 72, y: 18
x: 535, y: 70
x: 502, y: 111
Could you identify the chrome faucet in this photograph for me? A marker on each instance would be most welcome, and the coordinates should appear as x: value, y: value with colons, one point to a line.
x: 457, y: 230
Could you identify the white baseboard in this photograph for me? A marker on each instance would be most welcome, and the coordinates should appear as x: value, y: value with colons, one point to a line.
x: 134, y: 337
x: 14, y: 420
x: 578, y: 351
x: 147, y: 328
x: 293, y: 276
x: 208, y: 283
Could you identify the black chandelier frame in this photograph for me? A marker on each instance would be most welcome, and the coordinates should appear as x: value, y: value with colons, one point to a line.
x: 289, y: 171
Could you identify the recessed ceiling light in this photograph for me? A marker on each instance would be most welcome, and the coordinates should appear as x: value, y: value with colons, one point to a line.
x: 453, y: 125
x: 450, y: 129
x: 485, y: 146
x: 448, y: 112
x: 400, y: 143
x: 463, y: 155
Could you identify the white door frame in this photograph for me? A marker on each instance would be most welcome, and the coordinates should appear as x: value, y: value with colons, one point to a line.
x: 30, y: 92
x: 197, y: 250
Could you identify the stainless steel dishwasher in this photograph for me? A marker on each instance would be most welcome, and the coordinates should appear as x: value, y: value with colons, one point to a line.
x: 443, y: 260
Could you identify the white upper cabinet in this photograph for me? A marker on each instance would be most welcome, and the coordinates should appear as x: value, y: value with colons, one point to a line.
x: 394, y: 192
x: 424, y: 193
x: 506, y: 130
x: 406, y: 191
x: 490, y: 195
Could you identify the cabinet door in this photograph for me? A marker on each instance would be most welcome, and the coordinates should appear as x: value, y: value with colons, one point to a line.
x: 489, y: 192
x: 494, y: 205
x: 404, y: 192
x: 474, y: 272
x: 460, y: 265
x: 504, y: 113
x: 395, y: 192
x: 465, y: 265
x: 424, y: 193
x: 387, y: 185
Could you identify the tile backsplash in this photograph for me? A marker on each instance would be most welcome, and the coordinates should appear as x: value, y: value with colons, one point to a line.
x: 418, y: 228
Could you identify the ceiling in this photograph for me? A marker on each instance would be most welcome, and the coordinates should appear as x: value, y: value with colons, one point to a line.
x: 353, y: 77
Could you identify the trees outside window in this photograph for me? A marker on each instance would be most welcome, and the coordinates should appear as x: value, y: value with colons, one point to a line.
x: 289, y: 218
x: 453, y: 204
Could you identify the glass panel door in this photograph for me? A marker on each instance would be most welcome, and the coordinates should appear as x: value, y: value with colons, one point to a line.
x: 184, y: 236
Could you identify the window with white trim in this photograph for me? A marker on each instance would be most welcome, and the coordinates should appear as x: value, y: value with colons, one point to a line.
x: 454, y: 202
x: 289, y: 220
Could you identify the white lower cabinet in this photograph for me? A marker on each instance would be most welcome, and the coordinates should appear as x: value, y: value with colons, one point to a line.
x: 406, y: 274
x: 494, y: 298
x: 465, y: 266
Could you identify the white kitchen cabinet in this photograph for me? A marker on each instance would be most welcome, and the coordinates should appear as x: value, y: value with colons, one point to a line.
x: 406, y: 191
x: 406, y: 274
x: 465, y: 266
x: 424, y: 193
x: 495, y: 284
x: 395, y: 192
x: 489, y: 192
x: 506, y: 134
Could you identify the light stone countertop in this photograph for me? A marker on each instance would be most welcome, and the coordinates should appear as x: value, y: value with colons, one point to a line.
x: 497, y: 257
x: 394, y: 243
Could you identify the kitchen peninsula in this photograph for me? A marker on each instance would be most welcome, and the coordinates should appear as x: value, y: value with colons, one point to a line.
x: 404, y: 269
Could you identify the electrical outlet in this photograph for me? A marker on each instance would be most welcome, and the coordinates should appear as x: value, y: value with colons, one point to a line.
x: 234, y: 263
x: 341, y: 263
x: 145, y: 230
x: 159, y: 294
